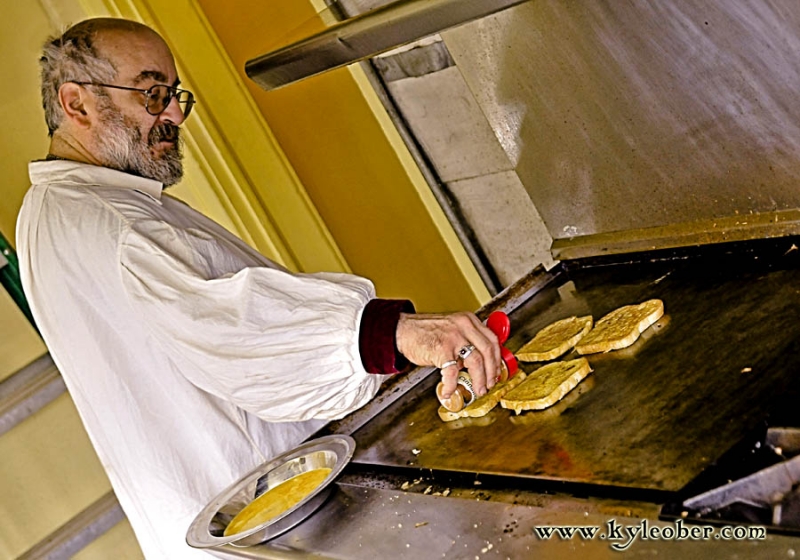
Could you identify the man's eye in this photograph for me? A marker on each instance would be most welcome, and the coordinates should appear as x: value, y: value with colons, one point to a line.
x: 159, y: 93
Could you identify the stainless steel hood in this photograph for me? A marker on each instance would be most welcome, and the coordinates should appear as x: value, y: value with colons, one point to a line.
x: 364, y: 36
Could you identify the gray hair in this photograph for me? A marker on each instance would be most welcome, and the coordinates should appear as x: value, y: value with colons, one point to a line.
x: 73, y: 57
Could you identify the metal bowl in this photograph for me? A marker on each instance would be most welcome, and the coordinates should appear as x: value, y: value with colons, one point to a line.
x: 332, y: 452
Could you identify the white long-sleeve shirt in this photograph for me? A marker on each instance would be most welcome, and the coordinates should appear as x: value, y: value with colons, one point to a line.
x: 190, y: 357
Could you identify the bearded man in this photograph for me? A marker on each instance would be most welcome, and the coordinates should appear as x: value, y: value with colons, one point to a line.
x: 190, y: 357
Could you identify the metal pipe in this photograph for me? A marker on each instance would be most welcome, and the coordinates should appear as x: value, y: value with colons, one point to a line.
x: 29, y: 390
x: 366, y: 35
x: 78, y: 532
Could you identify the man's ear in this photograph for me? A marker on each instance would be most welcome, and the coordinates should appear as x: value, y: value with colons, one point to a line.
x: 77, y: 104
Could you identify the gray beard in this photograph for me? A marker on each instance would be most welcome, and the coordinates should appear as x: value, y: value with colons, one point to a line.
x: 120, y: 146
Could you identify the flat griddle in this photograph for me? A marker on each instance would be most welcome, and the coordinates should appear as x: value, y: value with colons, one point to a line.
x: 724, y: 359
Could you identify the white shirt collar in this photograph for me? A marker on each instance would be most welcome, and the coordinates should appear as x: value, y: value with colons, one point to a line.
x: 65, y: 171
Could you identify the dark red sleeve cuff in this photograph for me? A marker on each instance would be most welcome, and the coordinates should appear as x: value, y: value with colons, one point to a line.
x: 376, y: 337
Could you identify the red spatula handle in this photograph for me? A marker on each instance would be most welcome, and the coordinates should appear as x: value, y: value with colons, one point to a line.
x: 499, y: 323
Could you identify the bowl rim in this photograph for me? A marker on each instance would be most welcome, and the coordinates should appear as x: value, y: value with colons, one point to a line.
x: 198, y: 536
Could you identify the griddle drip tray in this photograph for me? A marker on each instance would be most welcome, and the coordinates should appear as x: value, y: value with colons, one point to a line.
x: 769, y: 497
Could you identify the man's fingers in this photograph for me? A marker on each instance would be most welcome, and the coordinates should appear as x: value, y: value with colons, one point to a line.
x: 438, y: 339
x: 449, y: 377
x: 470, y: 336
x: 477, y: 372
x: 490, y: 360
x: 484, y: 361
x: 492, y: 347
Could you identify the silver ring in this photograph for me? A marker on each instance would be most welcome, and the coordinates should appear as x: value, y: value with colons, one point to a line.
x: 449, y: 364
x: 466, y: 351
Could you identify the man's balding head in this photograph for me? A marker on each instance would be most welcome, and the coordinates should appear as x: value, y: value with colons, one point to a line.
x: 100, y: 105
x: 81, y: 54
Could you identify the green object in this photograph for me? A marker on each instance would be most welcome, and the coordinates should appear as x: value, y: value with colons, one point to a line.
x: 9, y: 277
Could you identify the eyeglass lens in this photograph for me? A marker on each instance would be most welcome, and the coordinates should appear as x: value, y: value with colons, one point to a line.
x: 159, y: 97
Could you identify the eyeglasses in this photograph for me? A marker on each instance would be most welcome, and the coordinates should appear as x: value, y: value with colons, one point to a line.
x: 158, y: 97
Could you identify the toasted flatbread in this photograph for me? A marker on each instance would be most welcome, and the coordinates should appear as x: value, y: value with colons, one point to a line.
x: 483, y: 405
x: 546, y: 386
x: 555, y: 340
x: 621, y: 327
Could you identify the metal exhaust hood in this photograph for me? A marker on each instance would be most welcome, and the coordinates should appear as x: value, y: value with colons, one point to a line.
x: 366, y: 35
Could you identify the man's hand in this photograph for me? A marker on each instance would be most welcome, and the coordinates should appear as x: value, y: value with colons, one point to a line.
x: 434, y: 340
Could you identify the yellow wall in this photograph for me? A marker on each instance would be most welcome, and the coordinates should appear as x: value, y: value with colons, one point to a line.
x: 22, y: 28
x: 367, y: 195
x: 24, y: 138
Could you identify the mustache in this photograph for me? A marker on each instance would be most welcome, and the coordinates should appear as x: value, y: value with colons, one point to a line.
x: 163, y: 132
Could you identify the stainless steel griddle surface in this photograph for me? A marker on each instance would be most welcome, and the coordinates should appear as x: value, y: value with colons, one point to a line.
x: 725, y: 357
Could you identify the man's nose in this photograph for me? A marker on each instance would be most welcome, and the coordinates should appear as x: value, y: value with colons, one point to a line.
x: 173, y: 113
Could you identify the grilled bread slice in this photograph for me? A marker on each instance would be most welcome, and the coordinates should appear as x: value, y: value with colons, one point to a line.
x: 483, y: 405
x: 621, y: 327
x: 555, y: 340
x: 546, y: 386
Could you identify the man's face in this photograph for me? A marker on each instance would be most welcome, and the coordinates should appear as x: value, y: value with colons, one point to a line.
x: 125, y: 144
x: 127, y: 137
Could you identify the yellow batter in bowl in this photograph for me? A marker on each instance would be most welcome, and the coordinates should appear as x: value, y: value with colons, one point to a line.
x: 276, y: 500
